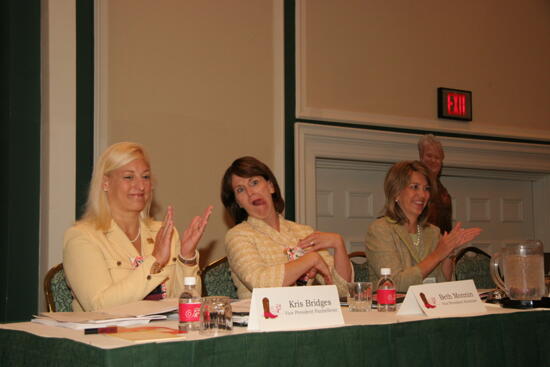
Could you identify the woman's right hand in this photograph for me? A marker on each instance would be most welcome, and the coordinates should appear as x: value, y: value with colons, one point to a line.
x: 321, y: 267
x: 311, y: 264
x: 161, y: 251
x: 456, y: 238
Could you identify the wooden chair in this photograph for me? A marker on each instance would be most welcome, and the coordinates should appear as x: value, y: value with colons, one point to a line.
x: 360, y: 266
x: 473, y: 263
x: 59, y: 297
x: 216, y: 279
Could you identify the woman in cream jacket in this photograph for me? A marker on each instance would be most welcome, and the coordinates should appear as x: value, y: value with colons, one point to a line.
x: 117, y: 253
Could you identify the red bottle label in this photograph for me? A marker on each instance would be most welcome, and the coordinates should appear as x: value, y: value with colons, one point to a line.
x: 190, y: 312
x: 386, y: 296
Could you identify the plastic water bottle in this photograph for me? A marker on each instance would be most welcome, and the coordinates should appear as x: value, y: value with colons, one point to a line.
x: 189, y: 306
x: 385, y: 295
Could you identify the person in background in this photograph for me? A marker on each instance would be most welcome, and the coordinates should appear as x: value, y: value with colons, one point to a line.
x: 403, y: 240
x: 266, y: 250
x: 117, y: 254
x: 441, y: 206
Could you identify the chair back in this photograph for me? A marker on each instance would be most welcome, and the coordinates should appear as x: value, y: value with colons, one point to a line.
x: 216, y: 279
x: 473, y: 263
x: 59, y: 297
x: 360, y: 266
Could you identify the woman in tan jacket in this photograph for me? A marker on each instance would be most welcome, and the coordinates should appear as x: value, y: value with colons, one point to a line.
x: 403, y: 240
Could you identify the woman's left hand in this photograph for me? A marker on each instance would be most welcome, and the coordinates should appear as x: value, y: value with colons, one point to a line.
x: 193, y: 233
x: 321, y: 240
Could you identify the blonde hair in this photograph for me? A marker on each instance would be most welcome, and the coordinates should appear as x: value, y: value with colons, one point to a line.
x: 117, y: 155
x: 397, y: 178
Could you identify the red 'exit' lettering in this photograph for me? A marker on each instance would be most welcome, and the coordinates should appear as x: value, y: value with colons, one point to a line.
x: 456, y: 104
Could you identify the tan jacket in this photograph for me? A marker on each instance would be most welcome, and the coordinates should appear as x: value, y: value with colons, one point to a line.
x: 99, y: 269
x: 256, y: 254
x: 389, y: 245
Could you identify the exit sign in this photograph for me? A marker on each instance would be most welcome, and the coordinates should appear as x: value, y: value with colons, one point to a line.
x: 454, y: 104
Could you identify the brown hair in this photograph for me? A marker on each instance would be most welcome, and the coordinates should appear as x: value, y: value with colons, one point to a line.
x: 397, y: 178
x: 247, y: 167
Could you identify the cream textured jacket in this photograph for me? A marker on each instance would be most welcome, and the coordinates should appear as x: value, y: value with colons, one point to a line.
x: 101, y: 270
x: 256, y: 254
x: 389, y: 245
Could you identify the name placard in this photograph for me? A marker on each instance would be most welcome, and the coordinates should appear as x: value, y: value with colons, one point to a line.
x: 443, y: 299
x: 290, y: 308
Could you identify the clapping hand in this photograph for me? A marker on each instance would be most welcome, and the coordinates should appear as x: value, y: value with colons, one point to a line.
x: 161, y: 251
x: 193, y: 233
x: 458, y: 237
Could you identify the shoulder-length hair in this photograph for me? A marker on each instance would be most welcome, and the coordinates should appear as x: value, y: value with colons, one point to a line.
x: 397, y: 179
x: 98, y: 211
x: 247, y: 167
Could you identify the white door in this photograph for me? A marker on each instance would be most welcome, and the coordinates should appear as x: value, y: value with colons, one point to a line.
x: 502, y: 207
x: 350, y: 195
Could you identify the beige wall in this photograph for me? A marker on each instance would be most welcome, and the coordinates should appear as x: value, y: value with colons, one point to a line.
x: 381, y: 62
x: 199, y: 82
x: 194, y: 82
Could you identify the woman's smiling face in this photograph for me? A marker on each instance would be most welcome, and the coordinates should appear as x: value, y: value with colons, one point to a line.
x: 414, y: 197
x: 129, y: 187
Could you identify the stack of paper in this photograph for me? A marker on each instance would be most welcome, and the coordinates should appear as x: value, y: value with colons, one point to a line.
x: 138, y: 313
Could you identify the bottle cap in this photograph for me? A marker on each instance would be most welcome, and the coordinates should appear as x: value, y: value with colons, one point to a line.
x: 385, y: 271
x: 189, y: 281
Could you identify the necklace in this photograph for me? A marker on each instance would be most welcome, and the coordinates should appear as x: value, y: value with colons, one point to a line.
x: 418, y: 239
x: 135, y: 239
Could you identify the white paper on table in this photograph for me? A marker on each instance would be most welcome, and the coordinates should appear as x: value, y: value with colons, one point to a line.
x: 292, y: 308
x: 443, y: 299
x: 81, y: 326
x: 136, y: 313
x: 143, y: 308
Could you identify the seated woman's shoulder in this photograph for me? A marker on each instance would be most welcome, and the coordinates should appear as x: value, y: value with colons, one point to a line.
x: 299, y: 227
x: 382, y: 222
x: 80, y: 227
x: 431, y: 228
x: 81, y: 230
x: 154, y: 225
x: 241, y: 228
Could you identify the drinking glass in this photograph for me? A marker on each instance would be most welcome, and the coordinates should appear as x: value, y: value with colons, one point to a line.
x: 360, y: 296
x: 216, y: 316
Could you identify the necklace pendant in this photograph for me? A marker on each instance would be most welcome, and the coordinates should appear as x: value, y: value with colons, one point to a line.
x: 418, y: 235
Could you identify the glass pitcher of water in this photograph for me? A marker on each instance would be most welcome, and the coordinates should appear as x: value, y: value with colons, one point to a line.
x: 522, y: 265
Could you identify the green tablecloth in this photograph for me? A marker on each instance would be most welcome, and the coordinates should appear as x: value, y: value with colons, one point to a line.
x: 516, y: 339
